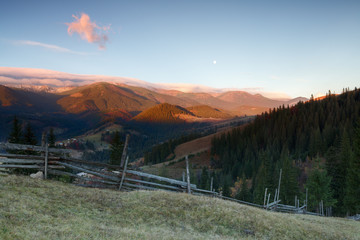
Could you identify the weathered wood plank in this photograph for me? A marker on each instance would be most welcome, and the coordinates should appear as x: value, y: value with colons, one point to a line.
x: 163, y: 179
x: 204, y: 191
x: 46, y: 161
x: 273, y: 203
x: 278, y: 189
x: 19, y: 156
x: 143, y: 187
x: 124, y: 172
x: 153, y: 184
x: 124, y: 153
x: 188, y: 175
x: 29, y: 166
x: 113, y: 178
x: 103, y: 165
x: 62, y: 173
x: 243, y: 202
x: 13, y: 146
x: 25, y: 161
x: 95, y: 186
x: 20, y: 166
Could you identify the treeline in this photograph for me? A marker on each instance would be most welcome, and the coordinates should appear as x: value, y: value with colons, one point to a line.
x: 316, y: 144
x: 24, y: 134
x: 160, y: 152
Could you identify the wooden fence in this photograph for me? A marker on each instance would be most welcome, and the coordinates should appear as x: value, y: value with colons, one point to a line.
x: 53, y: 161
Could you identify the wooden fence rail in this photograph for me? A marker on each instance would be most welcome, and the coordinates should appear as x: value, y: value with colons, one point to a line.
x: 103, y: 176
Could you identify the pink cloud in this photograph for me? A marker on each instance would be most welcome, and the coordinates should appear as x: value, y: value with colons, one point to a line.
x: 48, y: 46
x: 88, y: 30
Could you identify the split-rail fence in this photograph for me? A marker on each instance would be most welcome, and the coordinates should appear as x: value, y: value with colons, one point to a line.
x: 54, y: 161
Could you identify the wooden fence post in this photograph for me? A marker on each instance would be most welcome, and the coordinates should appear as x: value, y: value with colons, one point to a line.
x: 123, y: 173
x: 123, y: 156
x: 278, y: 192
x: 46, y: 160
x: 188, y: 174
x: 43, y: 141
x: 306, y: 208
x: 265, y: 196
x: 267, y: 204
x: 211, y: 184
x: 183, y: 176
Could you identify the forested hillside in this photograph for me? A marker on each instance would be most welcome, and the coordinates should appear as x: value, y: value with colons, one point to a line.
x: 316, y: 144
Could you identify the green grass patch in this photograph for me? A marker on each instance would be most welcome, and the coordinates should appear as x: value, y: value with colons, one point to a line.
x: 37, y: 209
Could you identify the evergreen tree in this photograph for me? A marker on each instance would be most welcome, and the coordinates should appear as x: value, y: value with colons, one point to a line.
x: 344, y: 157
x: 226, y: 189
x: 264, y: 178
x: 51, y: 138
x: 204, y: 181
x: 29, y: 136
x: 352, y: 191
x: 15, y: 135
x: 116, y: 149
x: 244, y: 193
x: 318, y: 185
x: 289, y: 183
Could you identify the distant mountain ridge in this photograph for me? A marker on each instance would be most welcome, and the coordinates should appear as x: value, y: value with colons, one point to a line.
x: 56, y: 81
x: 164, y: 113
x: 76, y: 110
x: 105, y: 97
x: 167, y: 113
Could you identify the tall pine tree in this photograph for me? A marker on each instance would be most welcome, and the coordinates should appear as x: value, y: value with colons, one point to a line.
x: 289, y: 180
x: 15, y: 134
x: 116, y: 149
x: 318, y: 185
x: 352, y: 191
x: 29, y: 136
x: 51, y: 138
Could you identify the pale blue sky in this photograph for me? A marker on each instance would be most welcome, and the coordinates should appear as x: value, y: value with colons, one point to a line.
x: 295, y: 47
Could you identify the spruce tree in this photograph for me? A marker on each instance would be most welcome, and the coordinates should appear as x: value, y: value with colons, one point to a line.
x: 289, y: 181
x: 29, y: 136
x: 318, y: 185
x: 344, y: 156
x: 226, y: 189
x: 15, y: 135
x: 204, y: 181
x: 244, y: 193
x: 51, y: 138
x: 352, y: 191
x: 116, y: 149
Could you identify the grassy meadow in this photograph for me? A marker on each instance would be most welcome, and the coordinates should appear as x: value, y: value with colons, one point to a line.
x: 37, y: 209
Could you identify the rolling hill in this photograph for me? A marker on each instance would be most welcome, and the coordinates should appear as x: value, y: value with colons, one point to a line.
x: 102, y: 97
x: 15, y: 99
x: 76, y: 110
x: 205, y: 111
x: 164, y: 113
x: 167, y: 113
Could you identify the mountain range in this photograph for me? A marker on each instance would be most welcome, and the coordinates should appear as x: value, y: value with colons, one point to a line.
x: 73, y: 110
x: 106, y: 98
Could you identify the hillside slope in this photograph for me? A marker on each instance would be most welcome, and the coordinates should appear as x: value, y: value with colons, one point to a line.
x: 102, y: 97
x: 205, y: 111
x: 36, y: 209
x: 163, y: 113
x: 15, y: 99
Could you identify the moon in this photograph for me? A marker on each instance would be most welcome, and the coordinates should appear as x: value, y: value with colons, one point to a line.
x: 214, y: 62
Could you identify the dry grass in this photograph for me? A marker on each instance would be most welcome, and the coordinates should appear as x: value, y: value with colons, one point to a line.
x: 36, y: 209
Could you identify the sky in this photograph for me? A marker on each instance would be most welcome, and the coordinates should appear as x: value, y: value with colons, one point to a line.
x: 296, y: 48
